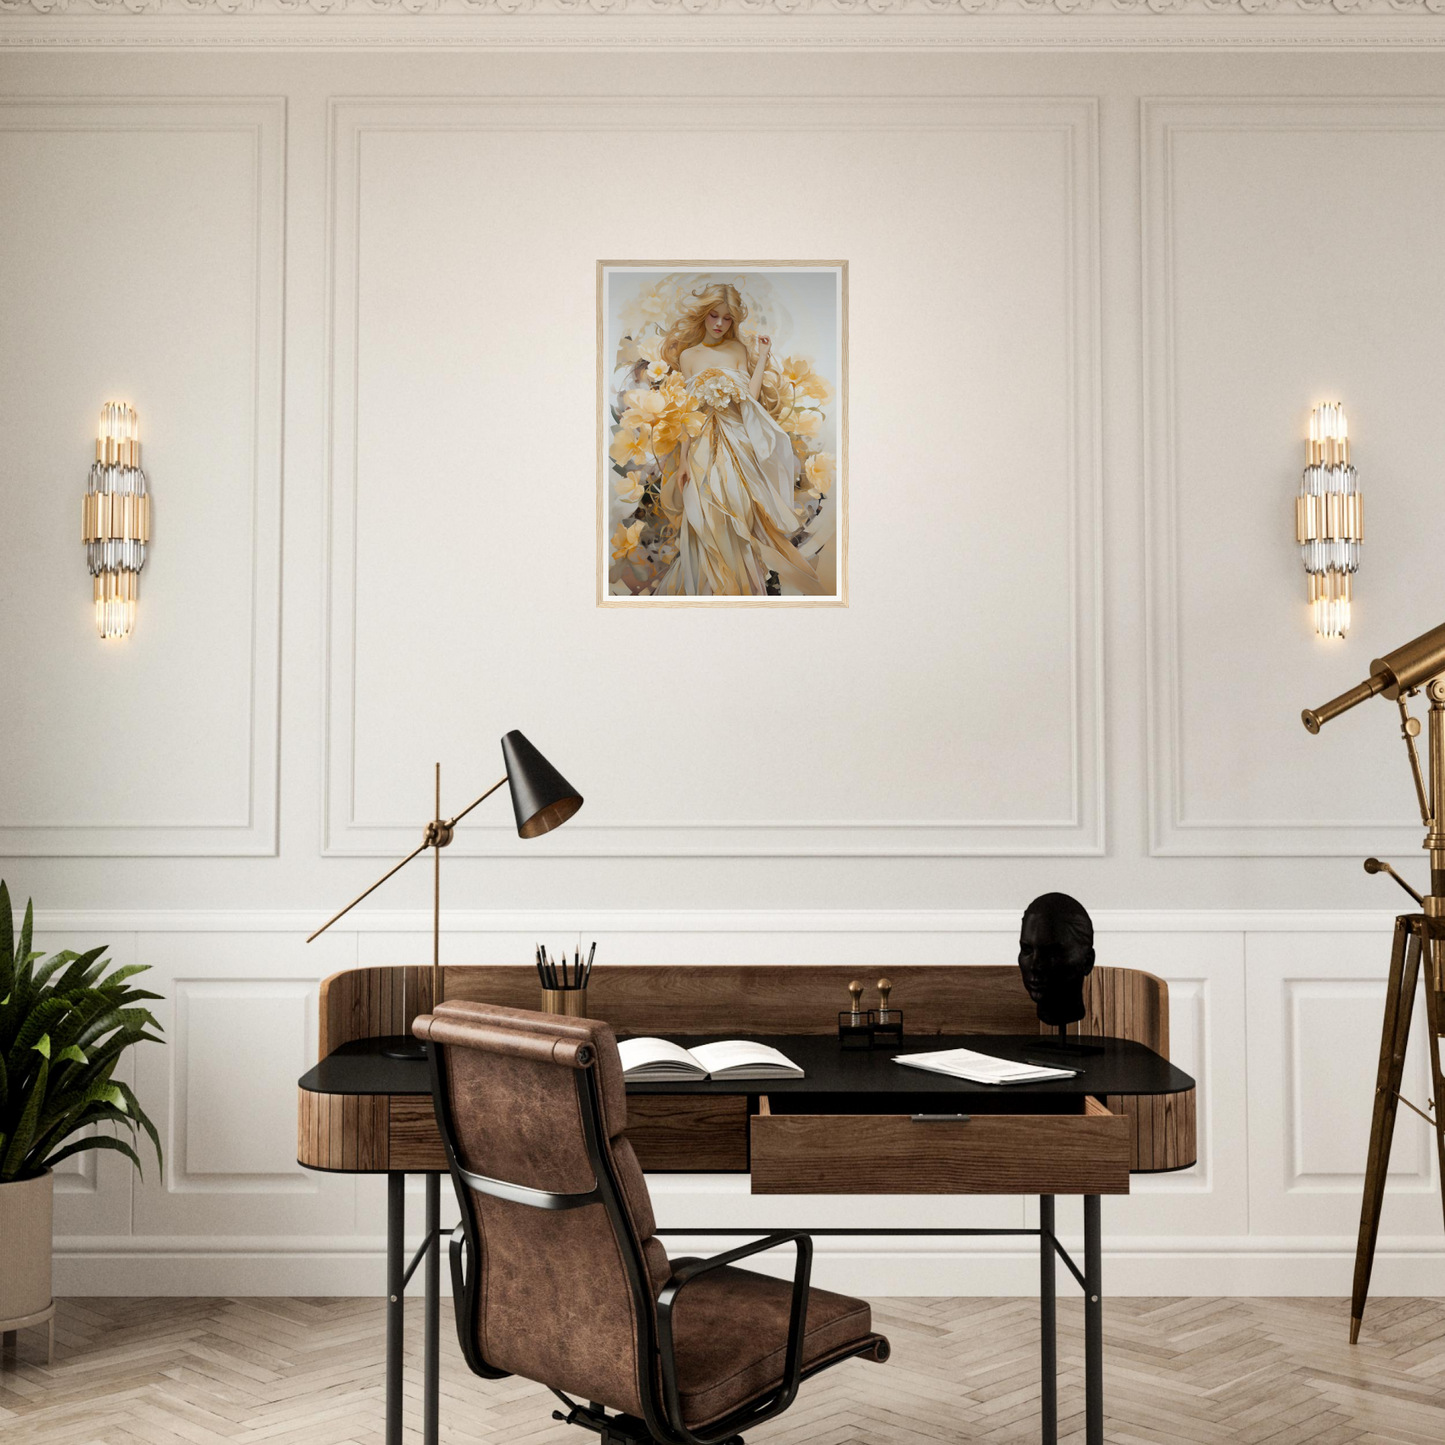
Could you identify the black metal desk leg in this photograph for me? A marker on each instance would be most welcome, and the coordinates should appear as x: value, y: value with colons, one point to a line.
x: 395, y: 1300
x: 433, y: 1307
x: 1093, y: 1325
x: 1048, y: 1329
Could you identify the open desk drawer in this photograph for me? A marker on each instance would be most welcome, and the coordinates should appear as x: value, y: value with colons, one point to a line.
x: 1077, y: 1147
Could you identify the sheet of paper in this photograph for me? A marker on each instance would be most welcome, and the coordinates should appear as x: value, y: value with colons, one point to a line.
x: 981, y: 1068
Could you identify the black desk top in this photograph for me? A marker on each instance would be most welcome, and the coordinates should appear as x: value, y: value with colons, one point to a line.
x: 1111, y: 1066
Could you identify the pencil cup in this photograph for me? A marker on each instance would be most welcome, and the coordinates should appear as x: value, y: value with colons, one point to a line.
x: 569, y: 1001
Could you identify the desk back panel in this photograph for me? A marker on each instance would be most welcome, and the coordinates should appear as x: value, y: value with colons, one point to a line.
x: 1122, y: 1003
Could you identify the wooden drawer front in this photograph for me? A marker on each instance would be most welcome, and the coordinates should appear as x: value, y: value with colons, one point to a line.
x: 1083, y: 1153
x: 689, y: 1132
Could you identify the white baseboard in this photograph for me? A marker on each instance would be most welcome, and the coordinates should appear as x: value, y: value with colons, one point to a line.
x: 923, y: 1267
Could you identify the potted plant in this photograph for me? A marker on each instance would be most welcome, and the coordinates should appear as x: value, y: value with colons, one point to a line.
x: 64, y: 1025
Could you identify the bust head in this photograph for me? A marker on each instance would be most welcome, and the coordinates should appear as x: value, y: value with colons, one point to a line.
x: 1056, y: 953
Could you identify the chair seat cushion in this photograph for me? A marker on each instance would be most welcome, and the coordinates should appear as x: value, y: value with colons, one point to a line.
x: 730, y: 1335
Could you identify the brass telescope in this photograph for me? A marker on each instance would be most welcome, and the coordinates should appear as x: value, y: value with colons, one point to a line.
x: 1419, y: 937
x: 1402, y: 670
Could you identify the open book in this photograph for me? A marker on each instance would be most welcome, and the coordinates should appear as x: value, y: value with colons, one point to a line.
x: 656, y: 1061
x: 981, y: 1068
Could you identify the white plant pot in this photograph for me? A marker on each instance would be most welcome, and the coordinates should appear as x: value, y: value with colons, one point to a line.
x: 26, y: 1213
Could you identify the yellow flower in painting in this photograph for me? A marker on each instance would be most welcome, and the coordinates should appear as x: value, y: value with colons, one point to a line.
x: 627, y: 543
x: 630, y: 487
x: 683, y: 419
x: 817, y: 387
x: 644, y: 408
x: 795, y: 369
x: 818, y: 472
x: 802, y: 423
x: 658, y: 370
x: 798, y: 372
x: 631, y: 445
x: 680, y: 414
x: 651, y: 346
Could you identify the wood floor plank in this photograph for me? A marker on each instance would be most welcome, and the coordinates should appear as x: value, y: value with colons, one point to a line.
x: 1178, y: 1372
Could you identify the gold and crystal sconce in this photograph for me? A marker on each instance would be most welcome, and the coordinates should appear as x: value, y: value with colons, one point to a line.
x: 116, y: 521
x: 1329, y: 519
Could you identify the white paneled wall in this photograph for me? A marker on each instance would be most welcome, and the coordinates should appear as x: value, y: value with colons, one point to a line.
x: 351, y: 294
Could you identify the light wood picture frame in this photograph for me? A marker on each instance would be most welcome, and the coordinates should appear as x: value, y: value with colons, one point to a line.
x: 753, y: 510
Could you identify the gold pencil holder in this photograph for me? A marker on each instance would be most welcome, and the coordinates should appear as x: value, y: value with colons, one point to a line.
x: 569, y: 1001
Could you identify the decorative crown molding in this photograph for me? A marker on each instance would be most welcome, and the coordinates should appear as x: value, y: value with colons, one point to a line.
x: 725, y: 8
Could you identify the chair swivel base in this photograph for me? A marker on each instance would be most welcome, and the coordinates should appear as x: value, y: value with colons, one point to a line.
x: 614, y: 1429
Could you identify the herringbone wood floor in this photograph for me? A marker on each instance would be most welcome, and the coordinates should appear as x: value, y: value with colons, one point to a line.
x: 1206, y: 1371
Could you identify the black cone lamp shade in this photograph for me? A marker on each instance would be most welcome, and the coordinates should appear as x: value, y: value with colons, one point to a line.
x: 542, y: 798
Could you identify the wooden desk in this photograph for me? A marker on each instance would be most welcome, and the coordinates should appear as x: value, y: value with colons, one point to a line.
x: 847, y: 1127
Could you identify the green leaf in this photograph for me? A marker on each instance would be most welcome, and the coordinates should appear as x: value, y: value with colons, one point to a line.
x: 7, y: 939
x: 99, y: 1141
x: 45, y: 1016
x: 43, y: 1046
x: 27, y: 931
x: 140, y: 1115
x: 14, y: 1158
x: 73, y: 1054
x: 128, y: 971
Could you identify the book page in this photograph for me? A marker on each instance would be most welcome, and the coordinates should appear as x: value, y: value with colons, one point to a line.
x: 739, y: 1053
x: 645, y: 1052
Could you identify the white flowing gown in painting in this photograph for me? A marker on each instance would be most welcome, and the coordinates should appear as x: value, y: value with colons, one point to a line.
x: 737, y: 510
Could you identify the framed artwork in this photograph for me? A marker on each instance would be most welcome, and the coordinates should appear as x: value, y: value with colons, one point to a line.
x: 722, y: 433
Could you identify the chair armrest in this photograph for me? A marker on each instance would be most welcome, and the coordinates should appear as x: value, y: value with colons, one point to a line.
x: 797, y: 1323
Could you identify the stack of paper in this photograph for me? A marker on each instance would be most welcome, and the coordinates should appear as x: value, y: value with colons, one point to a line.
x: 981, y: 1068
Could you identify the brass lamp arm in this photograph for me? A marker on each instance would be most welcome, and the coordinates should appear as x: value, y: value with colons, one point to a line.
x: 453, y: 823
x: 420, y: 848
x: 431, y: 840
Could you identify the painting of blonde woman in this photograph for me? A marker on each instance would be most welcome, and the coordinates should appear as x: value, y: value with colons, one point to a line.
x: 722, y: 404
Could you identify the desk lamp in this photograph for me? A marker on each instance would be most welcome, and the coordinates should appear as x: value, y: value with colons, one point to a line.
x: 542, y: 799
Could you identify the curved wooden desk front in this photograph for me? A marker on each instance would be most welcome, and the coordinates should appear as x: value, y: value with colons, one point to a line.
x: 1091, y: 1150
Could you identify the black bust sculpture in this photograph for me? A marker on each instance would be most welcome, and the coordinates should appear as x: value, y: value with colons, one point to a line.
x: 1056, y: 954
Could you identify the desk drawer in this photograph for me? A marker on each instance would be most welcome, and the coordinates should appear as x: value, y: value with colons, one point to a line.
x: 689, y: 1132
x: 1082, y: 1151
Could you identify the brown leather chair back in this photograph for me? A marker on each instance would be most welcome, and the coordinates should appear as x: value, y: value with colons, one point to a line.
x: 552, y: 1274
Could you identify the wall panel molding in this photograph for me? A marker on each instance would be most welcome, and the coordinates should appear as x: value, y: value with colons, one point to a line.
x: 1174, y: 832
x: 1074, y: 122
x: 253, y: 832
x: 1005, y: 25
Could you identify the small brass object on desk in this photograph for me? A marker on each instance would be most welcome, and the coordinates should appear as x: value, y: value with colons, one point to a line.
x: 885, y: 1024
x: 853, y: 1029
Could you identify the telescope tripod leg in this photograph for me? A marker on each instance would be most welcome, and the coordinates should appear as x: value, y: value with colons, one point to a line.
x: 1435, y: 1017
x: 1399, y: 1006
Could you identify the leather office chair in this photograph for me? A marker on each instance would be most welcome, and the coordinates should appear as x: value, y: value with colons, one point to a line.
x: 556, y: 1272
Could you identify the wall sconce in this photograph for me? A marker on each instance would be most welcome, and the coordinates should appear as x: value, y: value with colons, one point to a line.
x: 1329, y: 519
x: 116, y: 519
